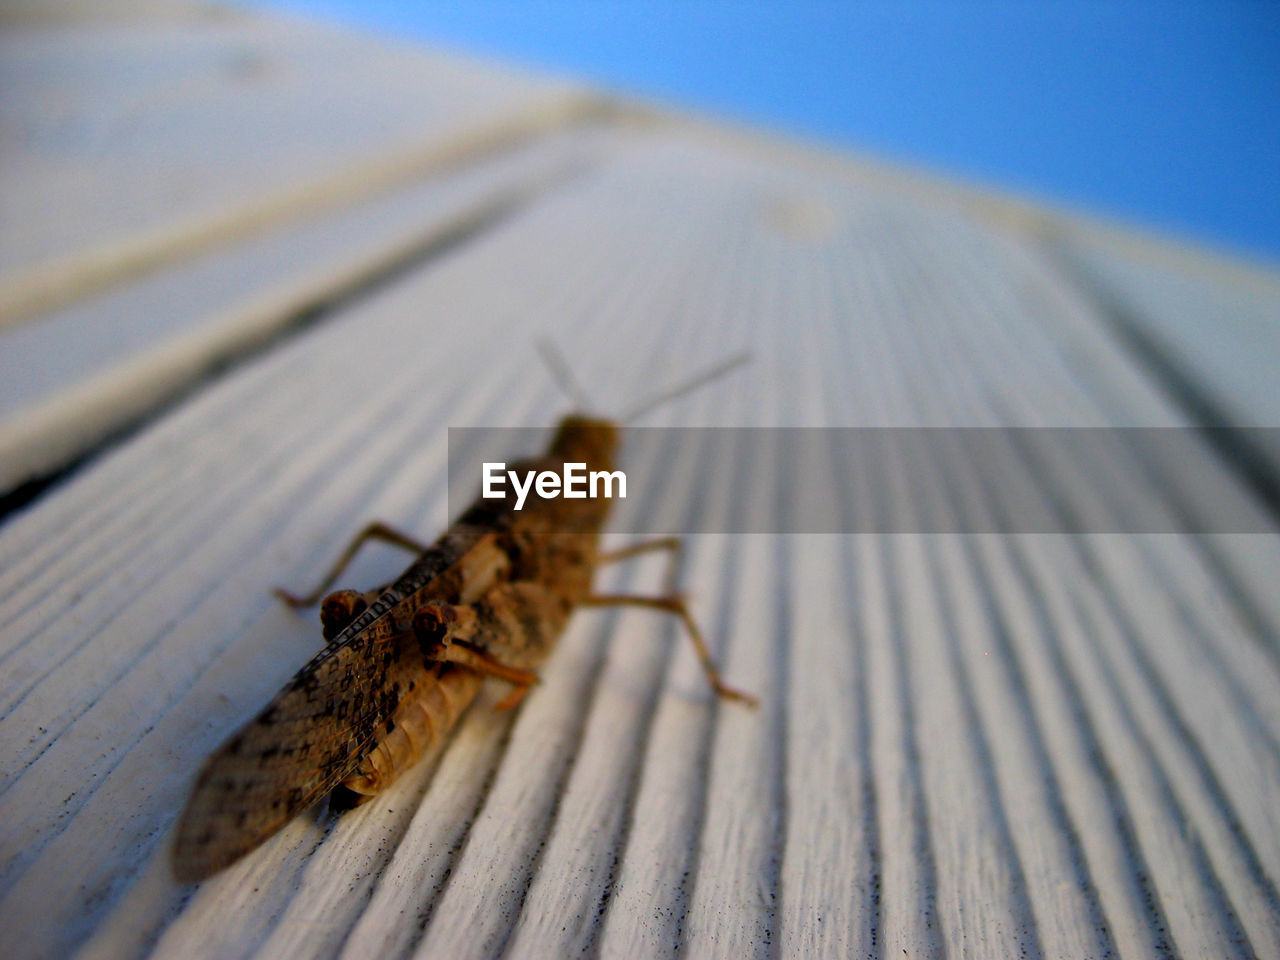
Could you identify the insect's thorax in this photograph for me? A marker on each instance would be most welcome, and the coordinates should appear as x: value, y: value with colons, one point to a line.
x: 556, y: 532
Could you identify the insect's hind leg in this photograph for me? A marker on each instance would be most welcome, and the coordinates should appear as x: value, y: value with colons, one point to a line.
x: 374, y: 531
x: 676, y: 605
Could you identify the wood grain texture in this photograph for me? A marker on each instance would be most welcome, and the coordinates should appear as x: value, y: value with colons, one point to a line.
x: 140, y: 141
x: 983, y: 745
x: 74, y: 376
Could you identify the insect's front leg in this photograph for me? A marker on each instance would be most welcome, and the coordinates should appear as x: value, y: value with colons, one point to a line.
x: 374, y: 531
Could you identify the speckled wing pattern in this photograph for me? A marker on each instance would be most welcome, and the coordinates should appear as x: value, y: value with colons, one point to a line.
x: 318, y: 728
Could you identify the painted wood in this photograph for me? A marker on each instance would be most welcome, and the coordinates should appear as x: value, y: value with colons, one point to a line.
x: 74, y: 376
x: 140, y: 141
x: 985, y: 745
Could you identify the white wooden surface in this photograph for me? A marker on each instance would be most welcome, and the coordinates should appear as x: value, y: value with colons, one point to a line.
x: 138, y: 141
x: 213, y: 174
x: 971, y: 746
x: 77, y: 373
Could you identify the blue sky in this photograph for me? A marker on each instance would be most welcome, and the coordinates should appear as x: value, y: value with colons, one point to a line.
x: 1162, y: 114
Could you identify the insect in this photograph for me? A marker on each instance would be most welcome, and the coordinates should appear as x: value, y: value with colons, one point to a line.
x: 488, y: 599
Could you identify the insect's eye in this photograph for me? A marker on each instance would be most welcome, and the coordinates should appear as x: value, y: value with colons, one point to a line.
x: 431, y: 628
x: 338, y: 609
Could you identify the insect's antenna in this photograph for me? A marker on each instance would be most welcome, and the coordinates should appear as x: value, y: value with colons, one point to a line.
x: 693, y: 383
x: 561, y: 373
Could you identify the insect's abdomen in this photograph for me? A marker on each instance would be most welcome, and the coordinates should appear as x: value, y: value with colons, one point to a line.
x: 418, y: 723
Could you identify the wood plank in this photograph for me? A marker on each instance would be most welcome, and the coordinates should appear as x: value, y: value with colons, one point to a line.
x: 1214, y: 322
x: 74, y: 376
x: 980, y: 745
x: 138, y: 142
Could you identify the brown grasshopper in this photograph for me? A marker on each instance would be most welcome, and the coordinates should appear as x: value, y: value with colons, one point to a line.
x: 489, y: 598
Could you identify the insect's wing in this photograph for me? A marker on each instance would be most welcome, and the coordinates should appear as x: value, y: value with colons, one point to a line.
x: 299, y: 748
x: 320, y: 726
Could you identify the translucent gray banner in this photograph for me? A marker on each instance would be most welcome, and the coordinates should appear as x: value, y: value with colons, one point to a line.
x: 908, y: 480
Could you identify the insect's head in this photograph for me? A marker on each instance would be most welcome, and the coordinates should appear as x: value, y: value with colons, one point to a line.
x: 584, y: 439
